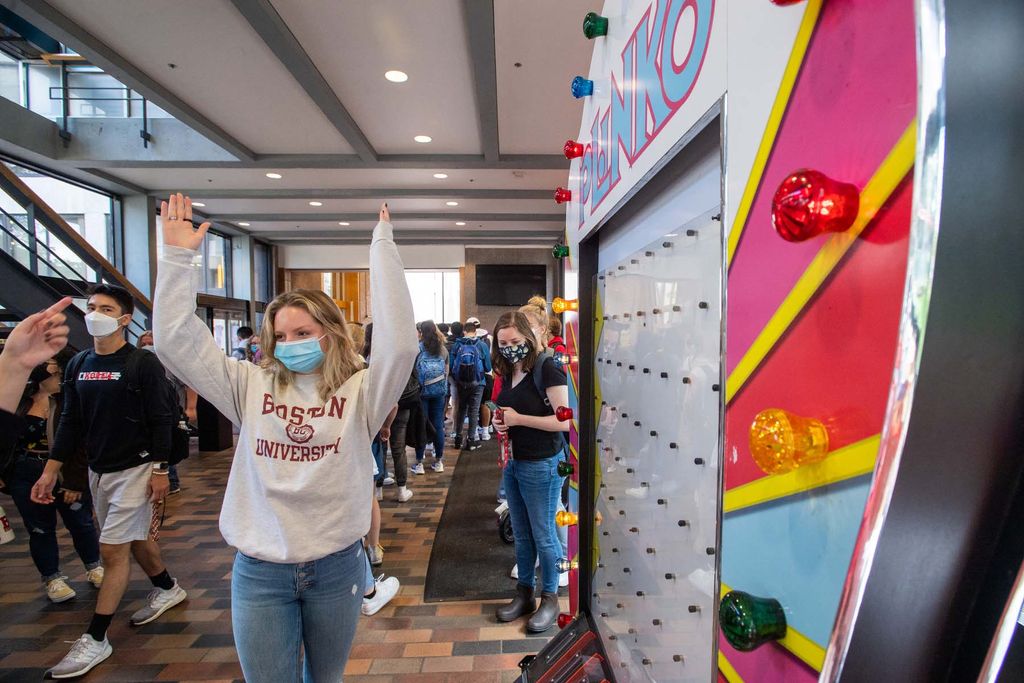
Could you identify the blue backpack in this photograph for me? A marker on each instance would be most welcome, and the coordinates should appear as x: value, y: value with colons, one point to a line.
x: 430, y: 371
x: 469, y: 366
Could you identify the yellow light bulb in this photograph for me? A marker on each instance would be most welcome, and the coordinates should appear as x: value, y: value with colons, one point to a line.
x: 566, y: 518
x: 560, y: 305
x: 781, y: 441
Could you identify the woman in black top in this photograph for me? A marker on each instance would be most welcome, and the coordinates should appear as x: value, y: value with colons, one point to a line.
x: 532, y: 483
x: 40, y: 410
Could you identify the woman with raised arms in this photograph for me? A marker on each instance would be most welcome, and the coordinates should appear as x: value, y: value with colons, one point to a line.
x: 298, y: 497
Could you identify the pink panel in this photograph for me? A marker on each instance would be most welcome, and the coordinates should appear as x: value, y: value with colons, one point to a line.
x: 767, y: 664
x: 854, y: 97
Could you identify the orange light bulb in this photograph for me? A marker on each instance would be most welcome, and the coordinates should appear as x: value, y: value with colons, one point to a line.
x: 560, y: 305
x: 781, y: 441
x: 566, y: 518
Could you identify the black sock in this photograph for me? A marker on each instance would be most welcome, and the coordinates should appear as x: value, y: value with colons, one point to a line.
x: 99, y: 625
x: 163, y: 581
x: 369, y: 596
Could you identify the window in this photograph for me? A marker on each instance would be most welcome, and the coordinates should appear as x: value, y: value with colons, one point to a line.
x: 263, y: 285
x: 435, y: 294
x: 10, y: 79
x: 217, y: 264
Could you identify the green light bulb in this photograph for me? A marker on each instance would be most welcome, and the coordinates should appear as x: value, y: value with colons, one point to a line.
x: 560, y: 251
x: 594, y: 25
x: 749, y: 621
x: 565, y: 468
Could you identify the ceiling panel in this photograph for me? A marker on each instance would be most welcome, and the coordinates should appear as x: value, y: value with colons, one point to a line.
x: 222, y: 69
x: 536, y: 113
x: 342, y: 206
x: 361, y: 226
x: 255, y: 179
x: 354, y: 42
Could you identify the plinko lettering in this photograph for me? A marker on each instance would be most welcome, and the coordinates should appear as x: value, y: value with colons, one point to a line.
x: 659, y: 66
x: 295, y: 452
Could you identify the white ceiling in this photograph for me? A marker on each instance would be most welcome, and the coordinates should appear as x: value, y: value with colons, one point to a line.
x: 226, y: 73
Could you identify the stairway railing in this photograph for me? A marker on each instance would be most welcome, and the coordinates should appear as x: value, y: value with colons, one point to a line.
x: 19, y: 236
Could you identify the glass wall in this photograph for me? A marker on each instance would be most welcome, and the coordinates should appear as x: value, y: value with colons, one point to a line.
x: 216, y: 264
x: 263, y: 287
x: 10, y: 79
x: 435, y: 294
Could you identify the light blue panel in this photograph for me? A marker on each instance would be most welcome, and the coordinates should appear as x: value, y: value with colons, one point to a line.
x: 797, y: 550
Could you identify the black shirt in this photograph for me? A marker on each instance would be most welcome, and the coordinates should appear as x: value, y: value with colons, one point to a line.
x: 529, y: 443
x: 33, y: 440
x: 100, y: 408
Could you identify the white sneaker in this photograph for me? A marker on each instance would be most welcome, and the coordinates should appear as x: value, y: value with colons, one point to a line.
x: 58, y: 589
x: 375, y: 553
x: 159, y: 601
x: 404, y: 494
x: 95, y: 576
x: 438, y: 466
x: 430, y: 450
x: 417, y: 468
x: 485, y: 435
x: 386, y: 588
x: 389, y: 480
x: 515, y: 569
x: 378, y: 492
x: 563, y: 579
x: 81, y: 658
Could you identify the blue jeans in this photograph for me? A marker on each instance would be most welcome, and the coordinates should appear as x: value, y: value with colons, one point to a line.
x: 534, y: 490
x: 433, y: 406
x: 277, y: 610
x: 468, y: 400
x: 377, y: 448
x: 41, y: 521
x: 172, y: 477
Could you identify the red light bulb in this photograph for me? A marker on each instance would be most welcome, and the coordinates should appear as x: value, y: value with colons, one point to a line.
x: 563, y: 413
x: 563, y: 195
x: 785, y: 2
x: 572, y: 149
x: 809, y: 203
x: 564, y: 619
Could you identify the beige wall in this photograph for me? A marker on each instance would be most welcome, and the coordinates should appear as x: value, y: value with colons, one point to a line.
x: 488, y: 315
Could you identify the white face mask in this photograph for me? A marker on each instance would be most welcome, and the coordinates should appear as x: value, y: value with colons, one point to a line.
x: 101, y: 325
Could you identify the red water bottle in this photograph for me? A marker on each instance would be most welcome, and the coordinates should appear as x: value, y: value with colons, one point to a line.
x: 503, y: 440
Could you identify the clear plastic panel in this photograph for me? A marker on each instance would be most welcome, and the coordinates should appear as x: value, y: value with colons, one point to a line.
x: 658, y: 367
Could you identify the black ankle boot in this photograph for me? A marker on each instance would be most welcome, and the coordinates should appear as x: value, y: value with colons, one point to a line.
x: 545, y: 615
x: 522, y: 604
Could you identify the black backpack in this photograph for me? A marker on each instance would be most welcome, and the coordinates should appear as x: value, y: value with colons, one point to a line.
x: 137, y: 404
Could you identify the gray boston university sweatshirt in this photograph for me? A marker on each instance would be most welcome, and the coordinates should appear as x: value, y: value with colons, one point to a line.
x: 301, y: 480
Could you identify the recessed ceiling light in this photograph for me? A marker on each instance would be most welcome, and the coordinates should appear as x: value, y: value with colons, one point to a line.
x: 275, y: 176
x: 343, y: 223
x: 423, y: 138
x: 440, y: 176
x: 244, y: 225
x: 452, y: 203
x: 199, y: 204
x: 316, y: 203
x: 396, y: 76
x: 460, y: 223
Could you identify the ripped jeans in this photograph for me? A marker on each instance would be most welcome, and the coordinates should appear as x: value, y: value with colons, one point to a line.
x: 41, y: 521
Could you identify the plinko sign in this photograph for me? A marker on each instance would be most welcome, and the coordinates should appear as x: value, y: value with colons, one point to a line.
x: 649, y: 70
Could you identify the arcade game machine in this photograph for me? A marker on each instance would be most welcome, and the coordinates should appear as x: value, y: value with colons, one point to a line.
x: 742, y: 327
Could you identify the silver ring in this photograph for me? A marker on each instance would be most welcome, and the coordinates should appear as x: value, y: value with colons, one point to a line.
x: 172, y: 218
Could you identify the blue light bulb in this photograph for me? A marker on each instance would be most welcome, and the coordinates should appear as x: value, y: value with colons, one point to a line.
x: 581, y: 87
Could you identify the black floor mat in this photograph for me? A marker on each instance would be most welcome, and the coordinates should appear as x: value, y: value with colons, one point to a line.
x: 468, y: 560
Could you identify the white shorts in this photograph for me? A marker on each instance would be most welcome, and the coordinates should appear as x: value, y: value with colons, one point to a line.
x: 122, y: 506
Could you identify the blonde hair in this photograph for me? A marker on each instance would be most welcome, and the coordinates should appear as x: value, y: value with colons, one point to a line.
x: 341, y: 360
x: 358, y: 335
x: 536, y: 312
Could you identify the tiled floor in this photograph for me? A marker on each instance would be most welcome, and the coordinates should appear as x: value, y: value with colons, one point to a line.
x: 406, y: 642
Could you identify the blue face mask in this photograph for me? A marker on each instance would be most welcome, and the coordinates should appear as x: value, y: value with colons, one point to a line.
x: 300, y: 356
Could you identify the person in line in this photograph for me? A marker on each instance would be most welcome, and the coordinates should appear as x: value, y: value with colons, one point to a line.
x: 555, y: 342
x: 297, y: 503
x: 243, y: 347
x: 432, y: 373
x: 470, y: 362
x: 40, y: 408
x: 34, y: 340
x: 126, y: 429
x: 532, y: 483
x: 187, y: 401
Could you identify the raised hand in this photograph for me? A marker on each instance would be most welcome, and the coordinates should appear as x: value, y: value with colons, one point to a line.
x: 178, y: 231
x: 38, y: 337
x: 385, y: 215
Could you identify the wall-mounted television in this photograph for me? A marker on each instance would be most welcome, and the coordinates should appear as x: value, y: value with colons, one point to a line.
x: 511, y: 285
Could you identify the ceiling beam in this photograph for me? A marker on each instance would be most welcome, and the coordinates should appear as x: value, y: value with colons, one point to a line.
x: 265, y: 20
x: 437, y: 162
x: 382, y: 193
x: 406, y: 236
x: 479, y: 21
x: 47, y: 18
x: 412, y: 216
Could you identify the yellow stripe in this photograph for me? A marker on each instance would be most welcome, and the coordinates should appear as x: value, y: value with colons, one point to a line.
x: 872, y: 198
x: 809, y: 652
x: 845, y: 463
x: 771, y: 129
x: 727, y: 670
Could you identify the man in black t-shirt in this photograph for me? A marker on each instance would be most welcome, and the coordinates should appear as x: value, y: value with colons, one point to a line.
x: 127, y: 435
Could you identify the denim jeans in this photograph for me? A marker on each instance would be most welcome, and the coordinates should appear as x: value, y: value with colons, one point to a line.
x: 41, y: 521
x: 468, y: 401
x: 172, y: 477
x: 397, y: 442
x: 277, y: 610
x: 533, y: 490
x: 433, y: 406
x: 377, y: 449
